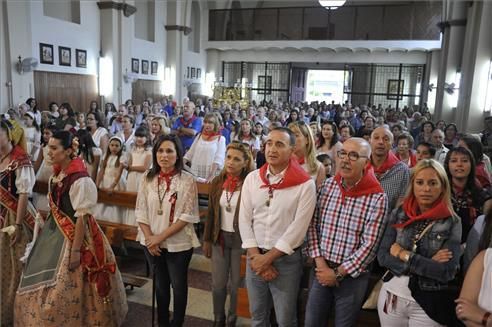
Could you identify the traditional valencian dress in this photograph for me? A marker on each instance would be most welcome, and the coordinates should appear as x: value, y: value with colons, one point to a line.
x: 17, y: 178
x: 49, y: 293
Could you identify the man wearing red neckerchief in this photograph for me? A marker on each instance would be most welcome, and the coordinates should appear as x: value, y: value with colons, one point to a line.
x: 344, y: 235
x: 390, y: 171
x: 188, y: 125
x: 277, y: 204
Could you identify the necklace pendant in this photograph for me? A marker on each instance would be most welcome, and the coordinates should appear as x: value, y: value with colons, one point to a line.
x: 160, y: 212
x: 228, y: 208
x: 267, y: 203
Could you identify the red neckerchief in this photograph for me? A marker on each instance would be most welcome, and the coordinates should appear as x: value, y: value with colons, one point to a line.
x: 187, y: 123
x: 410, y: 207
x: 412, y: 157
x: 167, y: 177
x: 17, y: 153
x: 76, y: 165
x: 390, y: 161
x: 230, y: 183
x: 482, y: 175
x: 368, y: 185
x: 210, y: 134
x: 294, y: 175
x: 301, y: 161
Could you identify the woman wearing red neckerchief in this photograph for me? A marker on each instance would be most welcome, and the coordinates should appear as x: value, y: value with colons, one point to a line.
x: 70, y: 277
x: 206, y: 155
x: 421, y: 248
x: 221, y: 238
x: 167, y: 208
x: 245, y: 135
x: 404, y: 150
x: 306, y: 153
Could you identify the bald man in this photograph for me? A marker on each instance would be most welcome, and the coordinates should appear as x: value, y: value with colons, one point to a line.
x: 390, y: 171
x: 344, y: 235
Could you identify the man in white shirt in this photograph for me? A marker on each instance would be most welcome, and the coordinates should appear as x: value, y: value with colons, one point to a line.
x: 437, y: 139
x: 261, y: 118
x: 277, y: 204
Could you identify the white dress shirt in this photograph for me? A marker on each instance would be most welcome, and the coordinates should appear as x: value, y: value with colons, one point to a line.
x: 284, y: 223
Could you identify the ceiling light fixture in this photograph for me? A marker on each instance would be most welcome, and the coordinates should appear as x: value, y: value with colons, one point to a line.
x: 332, y: 4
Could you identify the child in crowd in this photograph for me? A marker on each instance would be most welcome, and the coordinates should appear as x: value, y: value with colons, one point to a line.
x: 89, y: 152
x: 43, y: 168
x: 110, y: 178
x: 139, y: 160
x: 33, y: 135
x: 327, y: 162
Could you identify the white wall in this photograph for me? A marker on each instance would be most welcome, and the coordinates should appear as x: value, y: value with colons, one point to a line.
x: 84, y: 36
x: 4, y: 92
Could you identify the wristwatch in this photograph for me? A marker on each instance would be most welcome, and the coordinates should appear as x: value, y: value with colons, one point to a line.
x: 339, y: 277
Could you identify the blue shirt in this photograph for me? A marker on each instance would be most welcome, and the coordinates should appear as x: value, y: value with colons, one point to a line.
x: 187, y: 141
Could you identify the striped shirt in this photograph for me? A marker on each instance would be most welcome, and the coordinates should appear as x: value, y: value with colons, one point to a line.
x: 347, y: 233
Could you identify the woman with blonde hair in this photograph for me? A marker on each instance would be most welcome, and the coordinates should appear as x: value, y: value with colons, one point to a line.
x: 221, y: 239
x: 206, y: 155
x: 306, y: 152
x: 421, y: 249
x: 159, y: 126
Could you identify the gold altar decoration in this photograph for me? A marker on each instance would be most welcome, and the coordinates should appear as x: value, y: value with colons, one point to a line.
x: 240, y: 92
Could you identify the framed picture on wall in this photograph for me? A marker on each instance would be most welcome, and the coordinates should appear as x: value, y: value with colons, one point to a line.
x: 153, y: 67
x: 46, y: 53
x: 65, y: 56
x: 145, y: 67
x: 81, y: 58
x: 188, y: 73
x: 393, y: 89
x: 193, y: 72
x: 198, y: 73
x: 135, y: 65
x: 265, y: 84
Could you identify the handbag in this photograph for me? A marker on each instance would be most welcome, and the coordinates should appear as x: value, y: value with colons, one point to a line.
x: 439, y: 304
x: 372, y: 300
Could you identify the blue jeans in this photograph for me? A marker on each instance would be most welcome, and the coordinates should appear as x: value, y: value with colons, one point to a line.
x: 171, y: 268
x: 346, y: 298
x: 282, y: 291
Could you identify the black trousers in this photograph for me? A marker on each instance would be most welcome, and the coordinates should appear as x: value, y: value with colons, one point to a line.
x: 171, y: 269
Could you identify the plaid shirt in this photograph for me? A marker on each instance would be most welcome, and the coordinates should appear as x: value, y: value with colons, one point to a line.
x: 394, y: 183
x: 349, y: 232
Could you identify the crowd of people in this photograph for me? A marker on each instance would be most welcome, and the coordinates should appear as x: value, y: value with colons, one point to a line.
x: 350, y: 191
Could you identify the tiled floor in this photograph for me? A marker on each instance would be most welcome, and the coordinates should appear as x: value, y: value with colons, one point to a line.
x: 199, y: 311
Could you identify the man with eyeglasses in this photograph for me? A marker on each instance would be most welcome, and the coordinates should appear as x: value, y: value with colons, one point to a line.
x: 344, y: 235
x: 392, y: 173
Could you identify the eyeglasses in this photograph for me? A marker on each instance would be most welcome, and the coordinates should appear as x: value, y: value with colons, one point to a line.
x: 352, y: 155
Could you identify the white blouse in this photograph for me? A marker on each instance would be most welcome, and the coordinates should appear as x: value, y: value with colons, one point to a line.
x: 186, y: 209
x: 203, y: 154
x: 83, y: 196
x: 98, y: 134
x: 25, y: 180
x: 485, y: 295
x: 227, y: 217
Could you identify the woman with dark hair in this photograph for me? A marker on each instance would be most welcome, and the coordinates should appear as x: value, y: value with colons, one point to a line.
x: 425, y: 134
x: 450, y: 136
x: 221, y: 238
x: 89, y: 152
x: 167, y: 208
x: 53, y: 109
x: 469, y: 199
x: 127, y: 134
x: 293, y: 117
x: 328, y: 141
x: 17, y: 214
x: 421, y: 248
x: 100, y: 134
x: 66, y: 121
x: 33, y: 105
x: 482, y: 161
x: 245, y: 135
x: 441, y: 124
x: 94, y: 106
x: 78, y: 283
x: 109, y: 112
